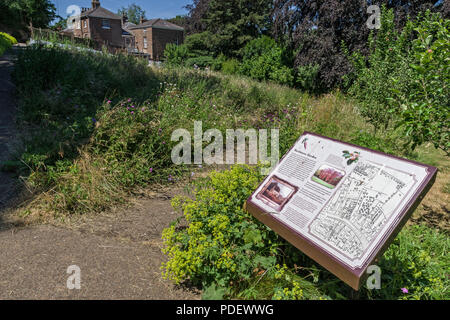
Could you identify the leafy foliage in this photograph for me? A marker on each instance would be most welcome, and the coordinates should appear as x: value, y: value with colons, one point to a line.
x: 316, y: 30
x: 6, y: 41
x: 226, y: 251
x: 230, y: 24
x: 176, y: 55
x: 405, y: 82
x: 263, y: 60
x: 424, y: 108
x: 38, y: 12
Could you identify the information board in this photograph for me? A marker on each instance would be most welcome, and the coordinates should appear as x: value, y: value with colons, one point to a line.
x: 339, y: 203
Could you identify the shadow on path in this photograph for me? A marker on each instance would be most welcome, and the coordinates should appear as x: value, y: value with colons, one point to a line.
x: 9, y: 184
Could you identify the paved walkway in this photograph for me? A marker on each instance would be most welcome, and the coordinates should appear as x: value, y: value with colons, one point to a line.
x: 118, y: 253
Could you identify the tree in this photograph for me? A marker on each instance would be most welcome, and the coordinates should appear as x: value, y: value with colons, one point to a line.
x: 316, y: 30
x: 181, y: 21
x: 39, y: 12
x: 230, y: 24
x: 133, y: 12
x: 61, y: 24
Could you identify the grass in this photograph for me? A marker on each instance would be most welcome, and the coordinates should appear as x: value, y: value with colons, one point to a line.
x: 97, y: 128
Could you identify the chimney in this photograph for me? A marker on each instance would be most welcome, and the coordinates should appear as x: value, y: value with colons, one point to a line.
x: 142, y: 20
x: 124, y: 18
x: 95, y: 4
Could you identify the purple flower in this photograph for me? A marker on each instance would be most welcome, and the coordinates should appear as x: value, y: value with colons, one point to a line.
x: 94, y: 120
x: 143, y: 109
x: 170, y: 178
x: 132, y: 106
x: 192, y: 174
x: 404, y: 290
x: 132, y: 112
x: 108, y: 102
x: 164, y: 142
x: 128, y: 108
x: 129, y: 100
x: 150, y: 170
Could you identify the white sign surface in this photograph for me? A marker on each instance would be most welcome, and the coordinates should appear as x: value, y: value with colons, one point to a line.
x: 342, y: 198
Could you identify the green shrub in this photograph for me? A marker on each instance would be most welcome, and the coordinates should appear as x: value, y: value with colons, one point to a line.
x: 404, y: 81
x: 424, y: 108
x: 389, y: 59
x: 200, y: 61
x: 263, y: 60
x: 222, y: 248
x: 230, y: 66
x: 6, y: 41
x: 198, y: 44
x: 306, y: 77
x: 176, y: 55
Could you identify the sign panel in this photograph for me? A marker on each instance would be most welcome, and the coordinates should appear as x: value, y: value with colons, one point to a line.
x: 339, y: 203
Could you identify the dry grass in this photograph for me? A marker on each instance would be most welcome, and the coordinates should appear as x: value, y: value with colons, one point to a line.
x: 435, y: 207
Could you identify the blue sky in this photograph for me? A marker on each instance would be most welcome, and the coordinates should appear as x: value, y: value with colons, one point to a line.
x: 153, y: 8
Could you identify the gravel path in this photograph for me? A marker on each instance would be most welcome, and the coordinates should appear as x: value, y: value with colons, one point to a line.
x: 118, y: 254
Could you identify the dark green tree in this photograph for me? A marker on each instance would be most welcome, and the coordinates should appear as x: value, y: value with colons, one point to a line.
x: 230, y: 24
x: 133, y: 12
x: 38, y: 12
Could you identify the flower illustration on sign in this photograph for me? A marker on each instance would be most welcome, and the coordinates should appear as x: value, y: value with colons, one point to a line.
x: 351, y: 157
x: 305, y: 143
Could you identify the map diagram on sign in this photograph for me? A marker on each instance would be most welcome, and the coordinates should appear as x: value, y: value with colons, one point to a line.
x: 365, y: 202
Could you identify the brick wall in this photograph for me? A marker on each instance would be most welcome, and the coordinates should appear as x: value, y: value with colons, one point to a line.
x: 112, y: 36
x: 157, y: 39
x: 161, y: 37
x: 139, y: 35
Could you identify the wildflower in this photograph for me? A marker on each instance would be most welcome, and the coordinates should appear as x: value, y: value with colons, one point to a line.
x: 430, y: 51
x: 128, y: 108
x: 163, y: 142
x: 404, y: 290
x: 150, y: 170
x: 108, y: 102
x: 94, y: 120
x: 132, y: 106
x: 143, y: 109
x: 132, y: 112
x: 192, y: 174
x: 170, y: 178
x: 129, y: 100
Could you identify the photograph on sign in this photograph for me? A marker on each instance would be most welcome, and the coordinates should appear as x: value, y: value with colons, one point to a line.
x: 276, y: 193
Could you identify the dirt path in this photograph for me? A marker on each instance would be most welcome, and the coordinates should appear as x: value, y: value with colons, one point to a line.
x: 119, y: 254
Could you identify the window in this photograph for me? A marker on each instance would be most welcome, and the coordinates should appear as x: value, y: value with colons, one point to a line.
x: 85, y: 24
x: 145, y: 42
x: 105, y: 24
x: 78, y: 24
